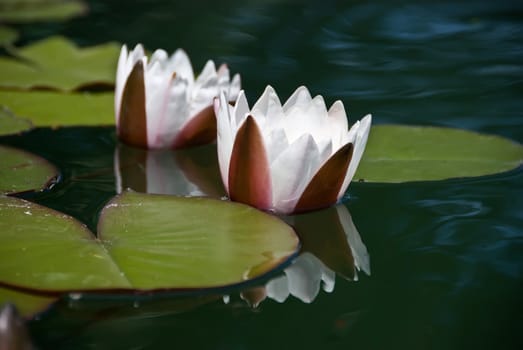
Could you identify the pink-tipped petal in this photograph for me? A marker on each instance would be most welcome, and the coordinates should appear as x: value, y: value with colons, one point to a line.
x: 200, y: 130
x: 249, y: 174
x: 132, y: 125
x: 325, y: 185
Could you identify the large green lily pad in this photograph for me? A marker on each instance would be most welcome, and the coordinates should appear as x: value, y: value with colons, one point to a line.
x: 145, y: 242
x: 57, y: 63
x: 11, y: 124
x: 24, y: 11
x: 46, y: 108
x: 397, y: 153
x: 22, y: 171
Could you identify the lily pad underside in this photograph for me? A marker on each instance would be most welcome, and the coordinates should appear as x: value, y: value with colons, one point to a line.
x: 397, y: 153
x: 21, y: 171
x: 145, y: 243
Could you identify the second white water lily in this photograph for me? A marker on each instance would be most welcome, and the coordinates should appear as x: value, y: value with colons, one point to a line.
x: 291, y: 158
x: 160, y: 104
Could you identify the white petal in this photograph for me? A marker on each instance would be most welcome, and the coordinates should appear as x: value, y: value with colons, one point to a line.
x: 181, y: 64
x: 362, y: 134
x: 277, y: 139
x: 159, y: 56
x: 204, y: 90
x: 235, y: 87
x: 121, y: 78
x: 300, y: 98
x: 268, y: 108
x: 225, y: 137
x: 208, y: 72
x: 278, y: 289
x: 171, y: 113
x: 338, y: 124
x: 292, y: 170
x: 241, y: 109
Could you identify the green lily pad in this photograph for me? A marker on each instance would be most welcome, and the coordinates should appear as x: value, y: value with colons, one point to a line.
x: 7, y: 36
x: 398, y: 153
x: 27, y: 304
x: 22, y: 171
x: 11, y: 124
x: 46, y: 108
x: 176, y: 243
x: 24, y: 11
x: 57, y: 63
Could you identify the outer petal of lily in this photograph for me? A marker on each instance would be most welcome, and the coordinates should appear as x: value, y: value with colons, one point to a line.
x: 324, y: 187
x: 249, y: 175
x: 132, y: 124
x: 362, y: 134
x: 126, y: 63
x: 200, y: 130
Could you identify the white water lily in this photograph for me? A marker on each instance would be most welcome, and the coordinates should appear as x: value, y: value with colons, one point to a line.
x: 291, y: 158
x: 160, y: 104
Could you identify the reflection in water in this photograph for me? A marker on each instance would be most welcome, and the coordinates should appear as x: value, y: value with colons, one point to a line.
x: 187, y: 172
x: 331, y: 245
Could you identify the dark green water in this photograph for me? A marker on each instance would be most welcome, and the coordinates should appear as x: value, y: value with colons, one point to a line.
x: 446, y: 257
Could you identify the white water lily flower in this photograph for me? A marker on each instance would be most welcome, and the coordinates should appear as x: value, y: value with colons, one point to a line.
x: 160, y: 104
x: 291, y: 158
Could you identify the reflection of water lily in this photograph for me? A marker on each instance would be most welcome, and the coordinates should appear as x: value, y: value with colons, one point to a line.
x: 192, y: 171
x: 331, y: 246
x: 288, y: 159
x: 160, y: 104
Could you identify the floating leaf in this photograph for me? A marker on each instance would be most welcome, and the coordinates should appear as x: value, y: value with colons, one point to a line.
x: 11, y: 124
x: 176, y: 243
x: 27, y: 304
x: 7, y: 35
x: 22, y: 171
x: 397, y: 153
x: 24, y: 11
x: 57, y: 63
x: 45, y: 108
